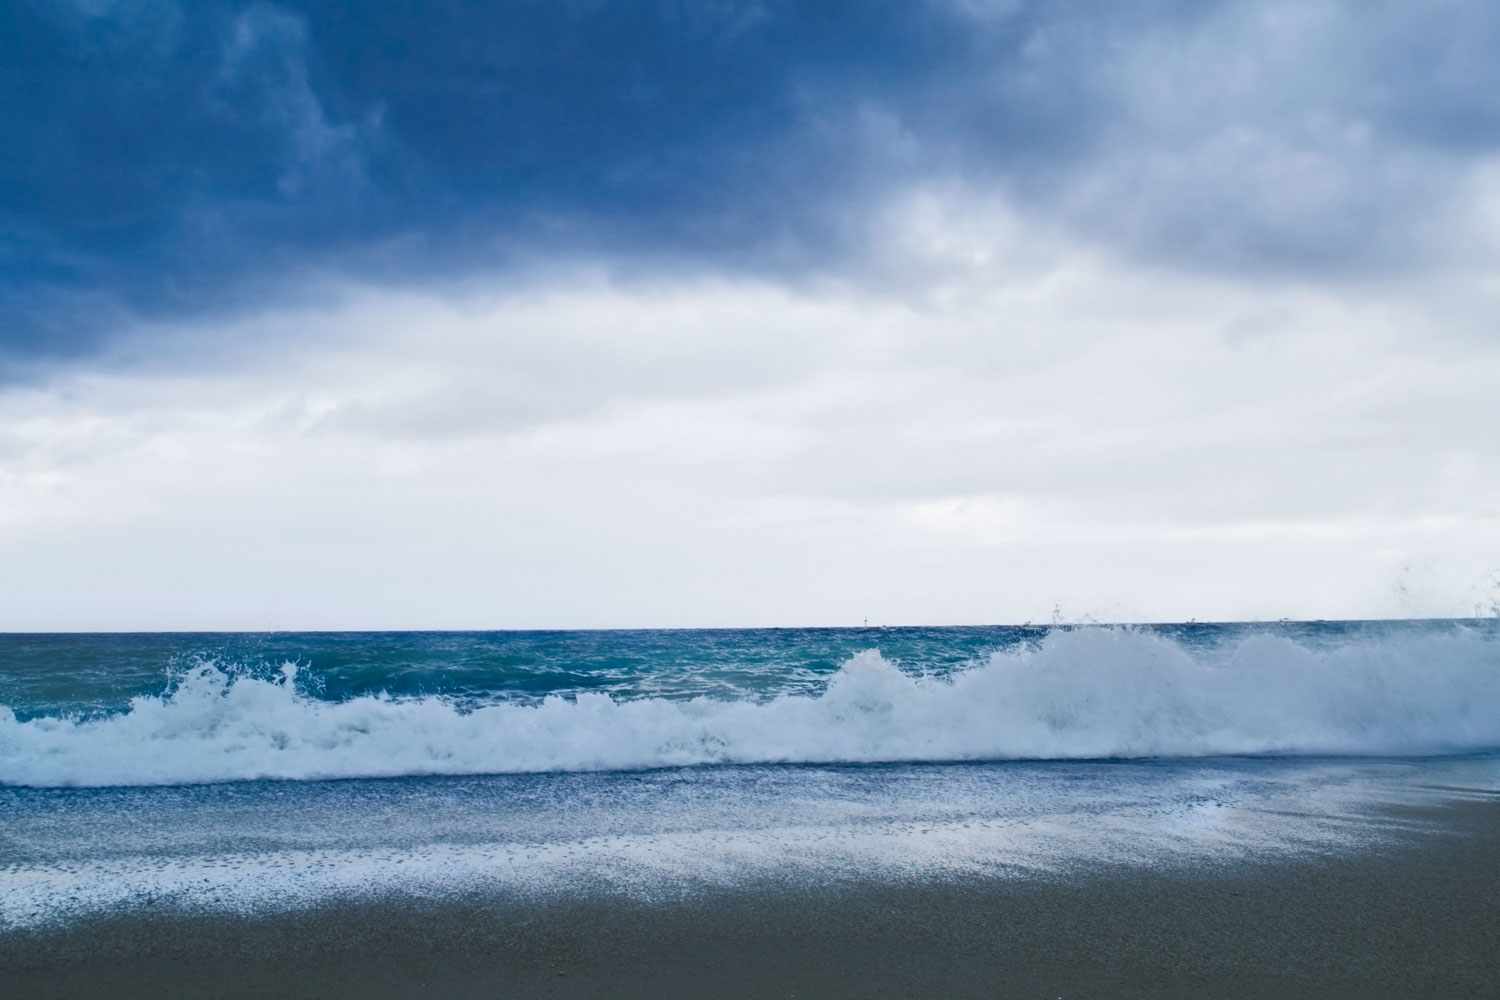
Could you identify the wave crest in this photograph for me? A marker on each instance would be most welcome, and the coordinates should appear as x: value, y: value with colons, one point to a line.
x: 1083, y: 693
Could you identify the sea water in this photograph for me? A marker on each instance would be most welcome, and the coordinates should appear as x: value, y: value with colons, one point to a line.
x: 267, y: 771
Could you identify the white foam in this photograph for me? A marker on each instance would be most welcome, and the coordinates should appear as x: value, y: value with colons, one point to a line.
x: 1085, y: 693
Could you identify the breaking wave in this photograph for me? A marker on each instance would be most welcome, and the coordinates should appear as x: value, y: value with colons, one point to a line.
x: 1078, y: 694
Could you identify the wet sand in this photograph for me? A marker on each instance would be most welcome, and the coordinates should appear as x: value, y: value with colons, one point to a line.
x: 1418, y: 915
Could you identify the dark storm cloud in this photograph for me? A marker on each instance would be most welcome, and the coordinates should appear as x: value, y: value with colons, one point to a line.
x: 166, y: 159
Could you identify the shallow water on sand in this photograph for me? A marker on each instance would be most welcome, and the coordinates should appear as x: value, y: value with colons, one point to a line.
x: 275, y: 845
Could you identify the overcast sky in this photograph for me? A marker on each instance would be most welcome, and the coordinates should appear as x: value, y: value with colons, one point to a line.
x: 595, y: 313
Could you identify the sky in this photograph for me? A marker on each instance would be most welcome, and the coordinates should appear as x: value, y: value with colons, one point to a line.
x: 593, y: 313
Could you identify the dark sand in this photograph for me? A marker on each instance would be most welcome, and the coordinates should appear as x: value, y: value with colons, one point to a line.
x: 1418, y: 917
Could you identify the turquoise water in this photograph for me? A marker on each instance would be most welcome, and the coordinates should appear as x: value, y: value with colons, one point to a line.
x: 73, y: 673
x: 146, y: 709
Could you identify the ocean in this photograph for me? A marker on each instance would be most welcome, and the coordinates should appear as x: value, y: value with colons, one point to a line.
x: 270, y: 772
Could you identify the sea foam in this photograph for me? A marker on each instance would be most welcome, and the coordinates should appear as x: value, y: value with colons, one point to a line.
x: 1077, y: 694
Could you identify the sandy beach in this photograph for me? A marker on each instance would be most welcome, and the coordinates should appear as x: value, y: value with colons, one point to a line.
x: 1416, y: 916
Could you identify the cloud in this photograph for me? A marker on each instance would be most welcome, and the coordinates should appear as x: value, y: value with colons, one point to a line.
x: 208, y: 160
x: 594, y: 313
x: 1045, y: 423
x: 1295, y: 138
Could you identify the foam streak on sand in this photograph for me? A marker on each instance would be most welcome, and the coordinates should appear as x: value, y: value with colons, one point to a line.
x: 1081, y: 693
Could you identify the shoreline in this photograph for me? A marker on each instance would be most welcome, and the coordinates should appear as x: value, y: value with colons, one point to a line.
x: 1416, y: 915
